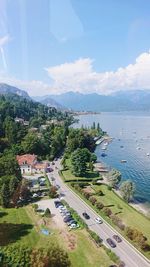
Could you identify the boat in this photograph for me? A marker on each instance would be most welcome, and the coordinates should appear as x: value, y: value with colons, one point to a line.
x: 104, y: 148
x: 148, y: 154
x: 123, y: 161
x: 138, y: 148
x: 121, y: 146
x: 98, y: 142
x: 103, y: 154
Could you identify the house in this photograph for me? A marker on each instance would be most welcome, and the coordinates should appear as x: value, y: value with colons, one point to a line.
x: 29, y: 165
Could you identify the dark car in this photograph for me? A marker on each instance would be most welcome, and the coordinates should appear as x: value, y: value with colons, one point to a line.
x: 57, y: 203
x: 117, y: 238
x: 67, y: 219
x: 71, y: 221
x: 111, y: 242
x: 86, y: 216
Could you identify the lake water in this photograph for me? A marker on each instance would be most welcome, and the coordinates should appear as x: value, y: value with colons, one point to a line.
x: 131, y: 142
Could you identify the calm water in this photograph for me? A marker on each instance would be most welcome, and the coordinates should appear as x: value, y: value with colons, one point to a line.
x: 130, y: 130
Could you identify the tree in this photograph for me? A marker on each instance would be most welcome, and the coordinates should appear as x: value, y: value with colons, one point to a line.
x: 78, y: 162
x: 114, y: 178
x: 93, y: 157
x: 53, y: 192
x: 5, y: 195
x: 127, y: 189
x: 47, y: 213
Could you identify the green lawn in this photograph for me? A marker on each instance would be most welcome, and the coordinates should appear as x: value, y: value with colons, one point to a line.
x: 130, y: 216
x: 68, y: 176
x: 87, y: 254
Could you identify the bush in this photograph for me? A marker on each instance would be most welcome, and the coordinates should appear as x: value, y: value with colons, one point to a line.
x: 35, y: 207
x: 86, y: 194
x: 117, y: 221
x: 92, y: 200
x: 138, y: 237
x: 109, y: 187
x: 47, y: 213
x: 53, y: 192
x: 112, y: 255
x: 107, y: 211
x: 95, y: 237
x: 100, y: 205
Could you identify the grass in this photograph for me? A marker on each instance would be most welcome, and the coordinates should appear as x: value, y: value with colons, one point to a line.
x: 90, y: 175
x: 129, y: 215
x: 84, y: 254
x: 87, y: 254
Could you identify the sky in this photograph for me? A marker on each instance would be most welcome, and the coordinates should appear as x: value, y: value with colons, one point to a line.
x: 56, y: 46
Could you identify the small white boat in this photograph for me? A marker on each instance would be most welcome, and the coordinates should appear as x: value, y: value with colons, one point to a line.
x: 123, y: 161
x: 104, y: 148
x: 148, y: 154
x: 138, y: 148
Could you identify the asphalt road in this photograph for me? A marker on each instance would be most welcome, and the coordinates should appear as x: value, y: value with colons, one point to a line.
x: 124, y: 250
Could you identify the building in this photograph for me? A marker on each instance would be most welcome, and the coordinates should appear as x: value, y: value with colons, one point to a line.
x: 29, y: 165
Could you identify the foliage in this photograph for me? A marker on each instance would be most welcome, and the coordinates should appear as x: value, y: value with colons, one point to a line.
x: 114, y: 178
x: 117, y: 221
x: 107, y: 211
x: 53, y: 192
x: 95, y: 237
x: 127, y: 189
x: 137, y: 237
x: 47, y: 213
x: 99, y: 205
x: 24, y: 256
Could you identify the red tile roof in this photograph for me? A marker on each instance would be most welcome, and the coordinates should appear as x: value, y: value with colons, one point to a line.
x: 26, y: 159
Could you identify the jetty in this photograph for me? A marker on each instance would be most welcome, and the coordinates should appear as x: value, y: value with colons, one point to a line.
x: 99, y: 140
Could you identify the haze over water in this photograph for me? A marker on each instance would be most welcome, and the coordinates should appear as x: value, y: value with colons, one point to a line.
x: 132, y: 131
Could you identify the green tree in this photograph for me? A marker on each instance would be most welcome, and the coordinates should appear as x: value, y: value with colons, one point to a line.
x: 78, y: 162
x: 5, y: 195
x: 127, y: 190
x: 114, y: 177
x: 47, y: 213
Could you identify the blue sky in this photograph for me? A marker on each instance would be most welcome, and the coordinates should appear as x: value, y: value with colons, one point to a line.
x: 54, y: 46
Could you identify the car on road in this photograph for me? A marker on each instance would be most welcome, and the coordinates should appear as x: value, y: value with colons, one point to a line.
x: 98, y: 220
x: 86, y: 216
x: 57, y: 186
x: 111, y: 242
x: 117, y: 238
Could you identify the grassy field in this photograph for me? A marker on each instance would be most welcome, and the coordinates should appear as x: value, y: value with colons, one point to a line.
x: 130, y: 216
x: 87, y: 254
x: 27, y: 232
x: 68, y: 176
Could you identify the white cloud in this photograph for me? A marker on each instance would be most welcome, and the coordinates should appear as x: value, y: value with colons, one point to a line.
x: 4, y: 40
x: 80, y: 76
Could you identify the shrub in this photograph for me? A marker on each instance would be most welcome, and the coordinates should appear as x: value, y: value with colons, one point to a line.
x: 47, y: 213
x: 53, y: 192
x: 92, y: 200
x: 35, y: 207
x: 107, y: 211
x: 109, y: 187
x: 95, y: 237
x: 138, y: 237
x: 86, y: 194
x: 111, y: 255
x: 99, y: 205
x: 117, y: 221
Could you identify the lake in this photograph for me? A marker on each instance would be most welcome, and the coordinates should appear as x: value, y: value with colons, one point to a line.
x: 131, y: 142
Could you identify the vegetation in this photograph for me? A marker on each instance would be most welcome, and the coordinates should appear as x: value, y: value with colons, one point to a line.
x: 127, y: 190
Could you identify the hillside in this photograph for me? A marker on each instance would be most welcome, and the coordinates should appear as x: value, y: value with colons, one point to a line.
x: 8, y: 89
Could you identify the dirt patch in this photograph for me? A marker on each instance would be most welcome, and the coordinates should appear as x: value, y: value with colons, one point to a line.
x: 70, y: 239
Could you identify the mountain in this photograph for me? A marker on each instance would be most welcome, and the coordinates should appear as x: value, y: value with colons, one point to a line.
x: 8, y: 89
x: 49, y: 101
x: 119, y: 101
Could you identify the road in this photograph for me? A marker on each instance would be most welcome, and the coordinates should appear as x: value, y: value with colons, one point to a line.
x: 124, y: 250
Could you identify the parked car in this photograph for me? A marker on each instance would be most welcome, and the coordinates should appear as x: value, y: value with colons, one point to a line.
x: 86, y: 216
x: 57, y: 186
x: 73, y: 226
x: 58, y: 204
x: 71, y: 222
x: 67, y: 219
x: 98, y: 220
x: 111, y: 242
x: 117, y: 238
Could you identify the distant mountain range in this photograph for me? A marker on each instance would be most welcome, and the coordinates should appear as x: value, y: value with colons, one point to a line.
x: 120, y: 101
x: 8, y: 89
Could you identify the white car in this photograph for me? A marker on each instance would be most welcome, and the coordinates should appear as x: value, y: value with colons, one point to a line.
x: 73, y: 226
x: 98, y: 220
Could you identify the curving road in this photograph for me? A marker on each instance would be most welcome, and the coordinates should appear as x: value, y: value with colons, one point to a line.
x: 124, y: 250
